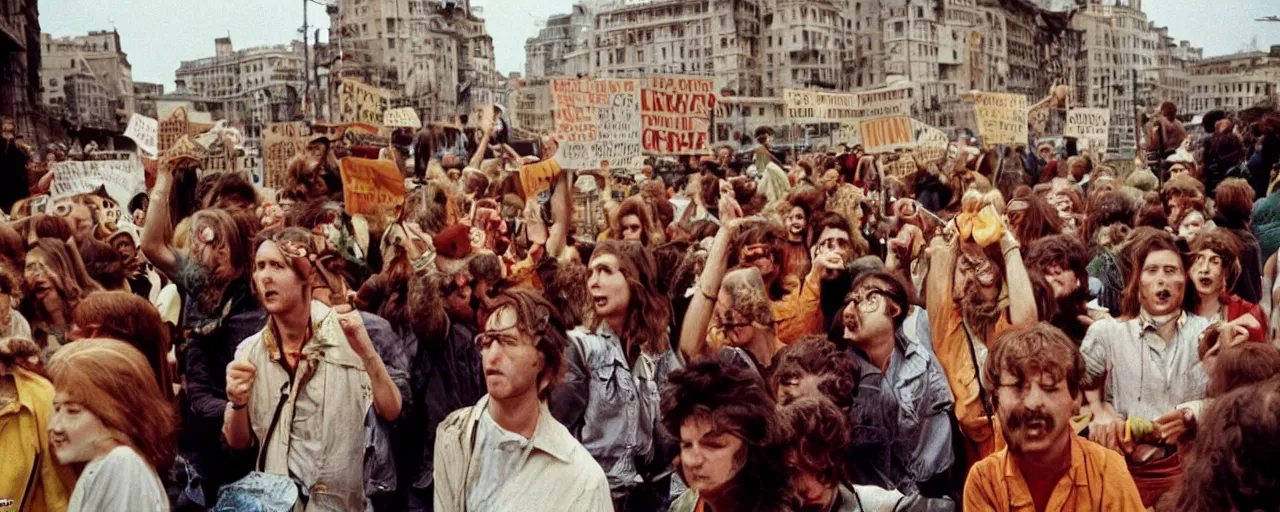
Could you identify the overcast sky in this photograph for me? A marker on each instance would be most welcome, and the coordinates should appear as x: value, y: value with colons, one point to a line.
x: 159, y: 34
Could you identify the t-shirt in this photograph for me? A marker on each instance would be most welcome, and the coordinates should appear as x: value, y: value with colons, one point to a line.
x: 120, y: 481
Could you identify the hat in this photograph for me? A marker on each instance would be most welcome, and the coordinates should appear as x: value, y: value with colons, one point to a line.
x: 185, y: 147
x: 454, y: 242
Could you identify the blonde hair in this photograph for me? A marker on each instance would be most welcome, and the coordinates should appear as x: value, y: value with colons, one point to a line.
x: 114, y: 381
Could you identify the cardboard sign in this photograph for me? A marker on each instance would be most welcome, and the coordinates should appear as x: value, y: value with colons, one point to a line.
x: 812, y: 107
x: 143, y: 130
x: 596, y: 121
x: 171, y: 129
x: 1090, y: 126
x: 676, y: 115
x: 123, y: 179
x: 1002, y: 117
x: 849, y: 133
x: 371, y: 186
x: 931, y: 143
x: 361, y: 103
x: 886, y: 134
x: 404, y: 117
x: 280, y: 143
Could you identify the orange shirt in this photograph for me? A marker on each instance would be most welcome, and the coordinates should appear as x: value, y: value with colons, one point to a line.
x: 799, y: 313
x: 1098, y: 480
x: 951, y: 344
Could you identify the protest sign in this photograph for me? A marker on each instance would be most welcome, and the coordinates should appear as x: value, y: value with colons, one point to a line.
x: 361, y: 103
x: 404, y: 117
x: 371, y: 187
x: 848, y: 133
x: 280, y: 143
x: 143, y: 131
x: 885, y: 134
x: 1002, y: 118
x: 1090, y: 126
x: 676, y: 115
x: 122, y: 179
x: 170, y: 130
x: 812, y: 107
x: 931, y: 143
x: 596, y: 121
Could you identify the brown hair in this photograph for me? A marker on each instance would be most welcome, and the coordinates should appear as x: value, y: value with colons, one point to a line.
x: 1106, y: 209
x: 1242, y: 365
x: 1144, y: 242
x: 1227, y: 246
x: 815, y: 355
x: 649, y: 313
x: 634, y: 205
x: 129, y: 318
x: 12, y: 248
x: 820, y: 439
x: 228, y: 232
x: 1234, y: 201
x: 773, y: 235
x: 537, y: 316
x: 1230, y: 469
x: 1039, y: 218
x: 1039, y: 348
x: 112, y: 380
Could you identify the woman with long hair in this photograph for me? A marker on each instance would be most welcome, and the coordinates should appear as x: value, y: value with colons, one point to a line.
x: 55, y: 282
x: 129, y: 318
x: 109, y: 416
x: 617, y: 362
x: 732, y: 445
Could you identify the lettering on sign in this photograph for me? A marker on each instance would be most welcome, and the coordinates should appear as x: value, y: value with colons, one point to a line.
x: 676, y: 115
x: 404, y: 117
x: 886, y: 134
x: 361, y: 103
x: 123, y: 179
x: 596, y: 121
x: 1002, y: 118
x: 371, y: 187
x: 144, y: 131
x: 813, y: 107
x: 1090, y: 126
x: 280, y: 143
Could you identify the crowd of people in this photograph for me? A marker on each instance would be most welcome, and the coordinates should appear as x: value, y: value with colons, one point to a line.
x: 770, y: 333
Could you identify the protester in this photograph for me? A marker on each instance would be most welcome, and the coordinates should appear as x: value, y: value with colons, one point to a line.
x: 102, y: 385
x: 819, y: 441
x: 32, y: 477
x: 1033, y: 376
x: 1215, y: 267
x: 125, y: 317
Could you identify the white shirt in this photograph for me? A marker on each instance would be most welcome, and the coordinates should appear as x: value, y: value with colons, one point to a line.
x: 121, y: 481
x: 1146, y: 376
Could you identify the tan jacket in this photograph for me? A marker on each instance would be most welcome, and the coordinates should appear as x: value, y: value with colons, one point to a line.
x: 558, y: 476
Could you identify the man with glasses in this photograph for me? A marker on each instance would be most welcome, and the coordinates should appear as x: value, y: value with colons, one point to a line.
x: 900, y: 421
x: 508, y: 452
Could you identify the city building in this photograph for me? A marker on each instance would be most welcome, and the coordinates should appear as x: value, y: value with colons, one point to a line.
x: 804, y: 44
x: 1234, y: 82
x: 145, y: 95
x: 563, y: 35
x: 248, y: 88
x: 20, y: 69
x: 1170, y: 79
x: 1119, y: 46
x: 436, y: 53
x: 87, y: 79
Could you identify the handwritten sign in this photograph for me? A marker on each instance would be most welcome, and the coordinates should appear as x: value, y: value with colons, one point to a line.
x: 676, y: 115
x: 123, y: 179
x: 812, y: 107
x: 1090, y: 126
x: 404, y: 117
x: 849, y: 133
x: 597, y: 121
x: 361, y: 103
x: 886, y: 134
x: 171, y: 129
x: 280, y: 143
x: 1002, y: 118
x: 143, y: 130
x: 371, y: 187
x: 931, y: 143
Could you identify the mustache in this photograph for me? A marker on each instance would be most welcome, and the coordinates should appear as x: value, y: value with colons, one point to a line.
x: 1020, y: 419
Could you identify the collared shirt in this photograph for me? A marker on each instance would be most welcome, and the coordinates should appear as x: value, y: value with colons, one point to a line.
x: 957, y: 348
x: 308, y: 422
x: 900, y: 426
x: 30, y: 474
x: 1098, y: 480
x: 552, y: 471
x: 1146, y: 377
x: 799, y: 313
x: 610, y: 406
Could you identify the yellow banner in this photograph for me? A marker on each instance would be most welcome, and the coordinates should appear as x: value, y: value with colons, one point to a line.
x: 371, y: 186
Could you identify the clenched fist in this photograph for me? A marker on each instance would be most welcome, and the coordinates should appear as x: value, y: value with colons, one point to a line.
x: 240, y: 375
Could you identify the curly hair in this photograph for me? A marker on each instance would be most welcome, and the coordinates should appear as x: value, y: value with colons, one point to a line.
x: 774, y: 236
x: 1227, y: 246
x: 649, y: 312
x: 820, y: 439
x: 1040, y: 348
x: 534, y: 314
x: 1107, y: 209
x: 815, y: 355
x: 565, y: 286
x: 735, y: 402
x: 1231, y: 469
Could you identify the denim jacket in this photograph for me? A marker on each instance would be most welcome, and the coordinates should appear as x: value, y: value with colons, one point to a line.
x: 899, y: 423
x: 611, y: 407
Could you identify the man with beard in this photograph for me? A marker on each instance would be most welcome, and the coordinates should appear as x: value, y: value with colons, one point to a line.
x: 902, y: 430
x: 1033, y: 376
x: 1147, y: 363
x: 1061, y: 259
x: 970, y: 303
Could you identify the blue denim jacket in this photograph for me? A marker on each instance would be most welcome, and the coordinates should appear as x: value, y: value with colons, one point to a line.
x: 900, y: 420
x: 611, y: 407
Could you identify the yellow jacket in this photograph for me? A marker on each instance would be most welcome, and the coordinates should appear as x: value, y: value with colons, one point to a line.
x: 30, y: 475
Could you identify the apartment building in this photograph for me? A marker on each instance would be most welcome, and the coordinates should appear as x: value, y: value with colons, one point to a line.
x: 1119, y: 46
x: 804, y: 44
x: 1170, y: 79
x: 435, y: 53
x: 145, y: 95
x: 564, y: 35
x: 1234, y: 82
x: 20, y: 85
x: 250, y: 87
x: 87, y: 79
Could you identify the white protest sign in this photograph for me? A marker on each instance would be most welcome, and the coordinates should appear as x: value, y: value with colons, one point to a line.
x: 404, y: 117
x: 123, y: 179
x: 1089, y: 125
x: 597, y: 122
x: 143, y: 130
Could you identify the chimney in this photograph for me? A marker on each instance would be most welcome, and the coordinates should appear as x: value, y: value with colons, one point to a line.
x: 222, y: 47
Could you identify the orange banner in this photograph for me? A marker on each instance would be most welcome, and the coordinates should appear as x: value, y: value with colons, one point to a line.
x: 371, y: 186
x: 886, y: 134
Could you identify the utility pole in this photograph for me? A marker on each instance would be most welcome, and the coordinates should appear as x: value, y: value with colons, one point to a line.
x: 306, y: 65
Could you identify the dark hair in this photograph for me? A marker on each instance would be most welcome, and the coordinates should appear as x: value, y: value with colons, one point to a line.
x: 1038, y: 348
x: 565, y: 286
x: 1040, y: 219
x: 13, y: 249
x: 1227, y: 246
x: 227, y: 190
x: 1230, y: 469
x: 820, y: 439
x: 636, y: 206
x: 49, y: 226
x: 1106, y: 209
x: 104, y: 264
x: 815, y: 355
x: 735, y: 402
x: 1144, y: 242
x: 896, y: 292
x: 534, y: 314
x: 229, y: 232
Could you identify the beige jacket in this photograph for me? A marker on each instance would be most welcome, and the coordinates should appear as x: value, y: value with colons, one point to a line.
x: 558, y: 476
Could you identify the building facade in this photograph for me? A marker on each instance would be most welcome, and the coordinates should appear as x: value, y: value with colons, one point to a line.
x: 248, y: 88
x: 1234, y: 82
x: 560, y: 44
x: 87, y: 79
x: 145, y: 95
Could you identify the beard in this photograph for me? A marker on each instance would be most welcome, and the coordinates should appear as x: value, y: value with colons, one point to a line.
x: 978, y: 311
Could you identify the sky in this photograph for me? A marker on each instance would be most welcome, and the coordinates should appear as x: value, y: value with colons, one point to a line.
x: 159, y: 34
